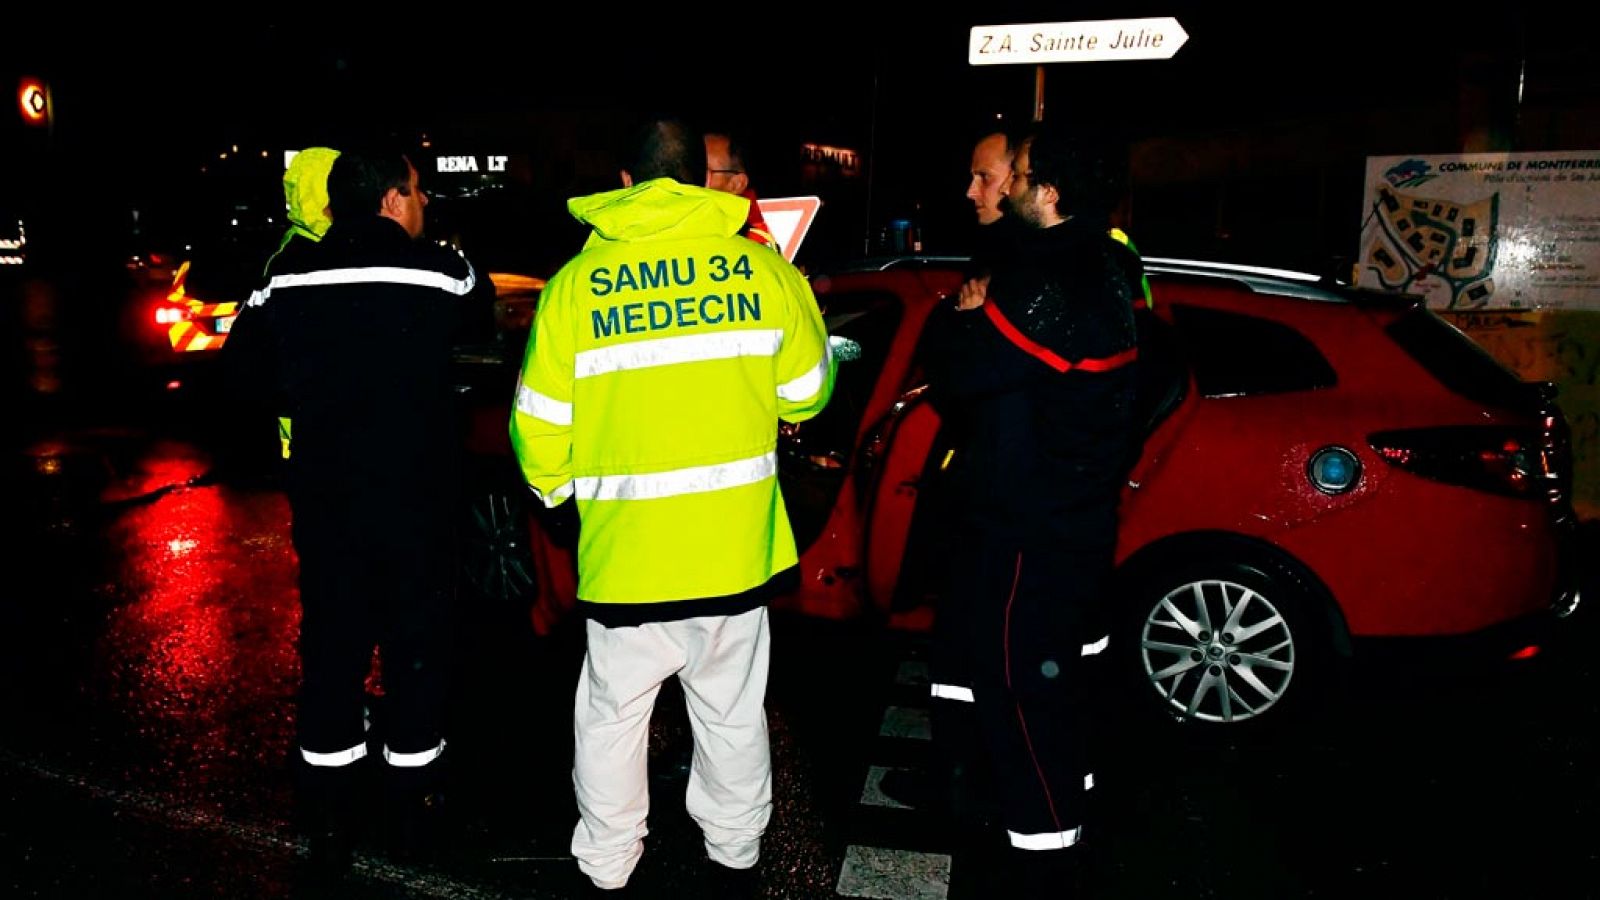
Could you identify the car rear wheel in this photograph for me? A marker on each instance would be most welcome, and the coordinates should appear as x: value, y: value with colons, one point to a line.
x: 1225, y: 644
x: 496, y: 562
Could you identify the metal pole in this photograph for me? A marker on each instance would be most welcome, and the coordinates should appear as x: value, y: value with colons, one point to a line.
x: 1038, y: 93
x: 872, y: 161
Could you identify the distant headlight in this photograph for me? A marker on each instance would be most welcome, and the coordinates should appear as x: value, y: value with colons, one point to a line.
x: 1333, y: 470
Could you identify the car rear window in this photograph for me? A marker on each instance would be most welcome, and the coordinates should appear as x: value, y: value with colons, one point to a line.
x: 228, y: 270
x: 1457, y: 361
x: 1237, y: 355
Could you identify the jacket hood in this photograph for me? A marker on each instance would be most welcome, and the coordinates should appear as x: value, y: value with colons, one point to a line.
x: 660, y: 209
x: 305, y: 190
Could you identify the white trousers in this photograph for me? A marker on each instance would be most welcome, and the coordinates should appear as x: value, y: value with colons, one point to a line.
x: 721, y: 662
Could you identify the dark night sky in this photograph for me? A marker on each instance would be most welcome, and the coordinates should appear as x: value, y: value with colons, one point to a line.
x: 269, y: 76
x: 266, y: 81
x: 166, y: 96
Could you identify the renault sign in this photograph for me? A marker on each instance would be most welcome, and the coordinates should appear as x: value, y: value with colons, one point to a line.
x: 1103, y: 41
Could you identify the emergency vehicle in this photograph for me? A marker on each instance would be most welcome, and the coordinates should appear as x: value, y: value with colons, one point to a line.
x: 200, y: 254
x: 186, y: 299
x: 194, y: 324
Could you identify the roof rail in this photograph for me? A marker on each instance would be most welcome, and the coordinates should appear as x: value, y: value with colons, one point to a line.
x: 1290, y: 274
x: 1260, y: 279
x: 885, y: 263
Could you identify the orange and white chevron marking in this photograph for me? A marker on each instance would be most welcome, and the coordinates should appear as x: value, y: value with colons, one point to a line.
x: 192, y: 335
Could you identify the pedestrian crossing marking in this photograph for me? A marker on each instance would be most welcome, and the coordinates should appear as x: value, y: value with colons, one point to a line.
x: 912, y: 672
x: 885, y: 874
x: 906, y: 722
x: 872, y: 792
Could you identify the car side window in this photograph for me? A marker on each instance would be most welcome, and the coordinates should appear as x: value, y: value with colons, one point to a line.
x: 869, y: 318
x: 1239, y: 355
x: 815, y: 456
x: 1163, y: 371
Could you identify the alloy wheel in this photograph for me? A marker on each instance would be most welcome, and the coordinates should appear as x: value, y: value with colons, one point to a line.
x: 1217, y: 651
x: 496, y: 559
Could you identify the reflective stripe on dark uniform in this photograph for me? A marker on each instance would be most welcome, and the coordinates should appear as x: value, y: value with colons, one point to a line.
x: 1040, y: 386
x: 356, y: 332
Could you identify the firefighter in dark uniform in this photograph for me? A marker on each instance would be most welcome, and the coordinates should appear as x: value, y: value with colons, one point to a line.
x: 1040, y: 366
x: 356, y: 333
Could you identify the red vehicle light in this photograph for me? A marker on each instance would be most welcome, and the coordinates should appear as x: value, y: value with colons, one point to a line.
x: 171, y: 315
x: 1499, y: 460
x: 1528, y: 652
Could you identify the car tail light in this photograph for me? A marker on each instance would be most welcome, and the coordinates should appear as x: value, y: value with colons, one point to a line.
x: 1516, y: 462
x: 167, y: 314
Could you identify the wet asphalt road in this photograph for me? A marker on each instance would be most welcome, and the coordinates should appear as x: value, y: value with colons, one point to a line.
x: 147, y: 695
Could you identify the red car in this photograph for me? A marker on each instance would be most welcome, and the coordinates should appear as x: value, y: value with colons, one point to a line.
x: 1322, y: 465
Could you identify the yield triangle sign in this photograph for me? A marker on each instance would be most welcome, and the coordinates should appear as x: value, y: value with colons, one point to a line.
x: 789, y: 218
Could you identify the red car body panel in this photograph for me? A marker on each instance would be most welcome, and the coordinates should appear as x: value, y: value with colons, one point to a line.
x: 1401, y: 555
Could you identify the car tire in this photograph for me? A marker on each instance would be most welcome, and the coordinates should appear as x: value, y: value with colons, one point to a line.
x: 1222, y: 645
x: 497, y: 565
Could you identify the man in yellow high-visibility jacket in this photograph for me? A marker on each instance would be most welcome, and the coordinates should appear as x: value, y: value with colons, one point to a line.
x: 305, y: 193
x: 661, y: 359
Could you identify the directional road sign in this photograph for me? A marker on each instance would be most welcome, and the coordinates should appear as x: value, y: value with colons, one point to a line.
x: 1051, y: 42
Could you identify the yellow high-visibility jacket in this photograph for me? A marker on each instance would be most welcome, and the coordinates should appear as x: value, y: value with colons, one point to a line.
x: 661, y: 359
x: 1148, y: 300
x: 305, y: 194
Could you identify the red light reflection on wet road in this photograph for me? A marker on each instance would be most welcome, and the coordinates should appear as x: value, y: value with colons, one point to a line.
x: 201, y: 650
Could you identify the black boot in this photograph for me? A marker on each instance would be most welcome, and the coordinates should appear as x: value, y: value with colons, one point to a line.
x: 732, y: 884
x: 327, y: 814
x: 416, y: 815
x: 1047, y: 874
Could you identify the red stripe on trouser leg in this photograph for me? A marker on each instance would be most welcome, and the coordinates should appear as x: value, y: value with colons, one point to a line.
x: 1022, y: 720
x: 1029, y: 679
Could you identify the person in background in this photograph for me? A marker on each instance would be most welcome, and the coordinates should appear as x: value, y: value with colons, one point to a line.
x: 991, y: 176
x: 955, y: 783
x: 655, y: 413
x: 1039, y: 361
x: 352, y: 338
x: 305, y: 195
x: 244, y: 452
x: 726, y: 172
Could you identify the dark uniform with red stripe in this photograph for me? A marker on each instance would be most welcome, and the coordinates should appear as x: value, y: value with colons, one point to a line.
x: 1040, y: 381
x: 355, y: 335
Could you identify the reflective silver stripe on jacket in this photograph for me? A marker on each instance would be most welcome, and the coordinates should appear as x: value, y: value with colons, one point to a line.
x: 693, y: 480
x: 411, y: 760
x: 951, y: 692
x: 542, y: 406
x: 673, y: 350
x: 554, y: 498
x: 367, y: 275
x: 334, y: 760
x: 1053, y: 840
x: 807, y: 385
